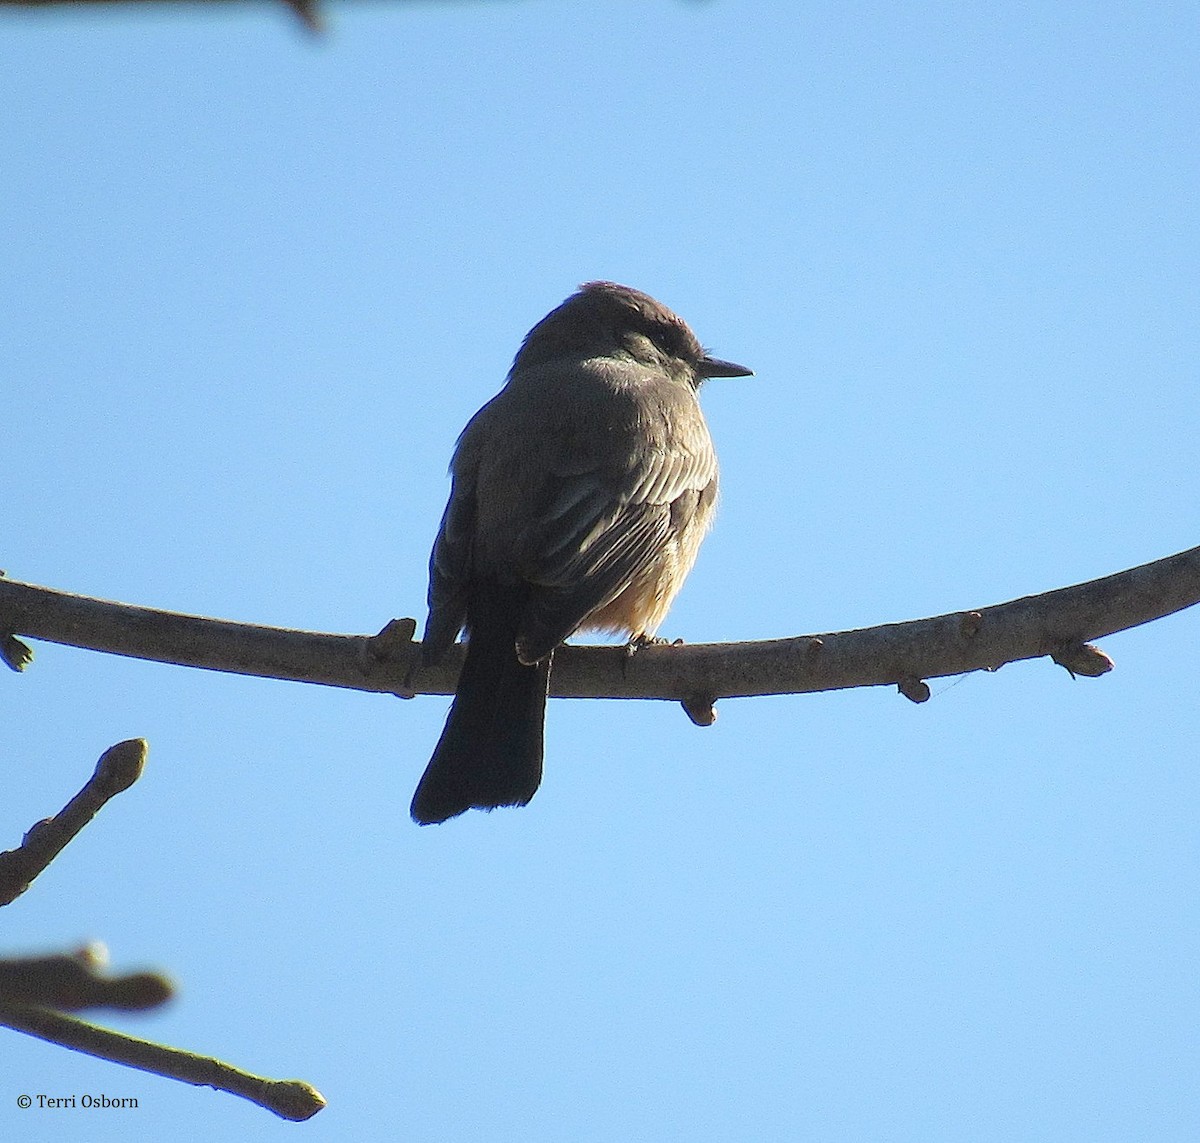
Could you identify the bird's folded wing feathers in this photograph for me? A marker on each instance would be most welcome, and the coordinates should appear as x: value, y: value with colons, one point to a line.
x: 448, y: 574
x: 598, y: 531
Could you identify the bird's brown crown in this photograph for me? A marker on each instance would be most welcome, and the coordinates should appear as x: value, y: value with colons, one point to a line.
x: 604, y: 317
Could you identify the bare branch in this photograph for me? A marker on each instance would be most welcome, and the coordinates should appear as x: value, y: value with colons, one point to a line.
x: 306, y: 10
x: 75, y: 980
x: 1057, y: 623
x: 118, y: 768
x: 290, y: 1099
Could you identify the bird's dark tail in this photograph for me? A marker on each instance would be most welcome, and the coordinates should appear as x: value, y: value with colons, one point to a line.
x: 490, y: 752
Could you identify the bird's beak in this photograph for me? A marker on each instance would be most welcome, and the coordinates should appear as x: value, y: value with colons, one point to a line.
x: 715, y: 367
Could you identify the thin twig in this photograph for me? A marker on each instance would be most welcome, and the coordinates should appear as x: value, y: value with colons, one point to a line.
x: 118, y: 768
x: 1057, y: 623
x: 76, y: 980
x: 290, y: 1099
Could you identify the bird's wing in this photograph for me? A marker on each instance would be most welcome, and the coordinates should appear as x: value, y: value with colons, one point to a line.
x: 600, y: 528
x: 450, y: 561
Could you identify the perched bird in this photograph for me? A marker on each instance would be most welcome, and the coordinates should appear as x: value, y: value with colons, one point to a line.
x: 580, y: 495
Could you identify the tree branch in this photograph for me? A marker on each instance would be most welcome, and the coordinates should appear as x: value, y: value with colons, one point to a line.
x: 118, y: 768
x: 290, y: 1099
x: 78, y: 979
x: 306, y: 10
x: 32, y: 989
x: 1056, y: 623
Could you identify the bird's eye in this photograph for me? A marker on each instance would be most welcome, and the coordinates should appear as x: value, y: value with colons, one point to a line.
x: 674, y: 339
x: 638, y: 344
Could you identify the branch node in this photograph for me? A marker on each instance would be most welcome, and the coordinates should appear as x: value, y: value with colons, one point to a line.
x: 393, y: 644
x: 813, y: 649
x: 1082, y: 659
x: 701, y: 709
x: 913, y: 689
x: 392, y: 640
x: 969, y: 624
x: 15, y: 654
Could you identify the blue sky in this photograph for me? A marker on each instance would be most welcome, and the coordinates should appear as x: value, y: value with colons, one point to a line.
x: 254, y: 286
